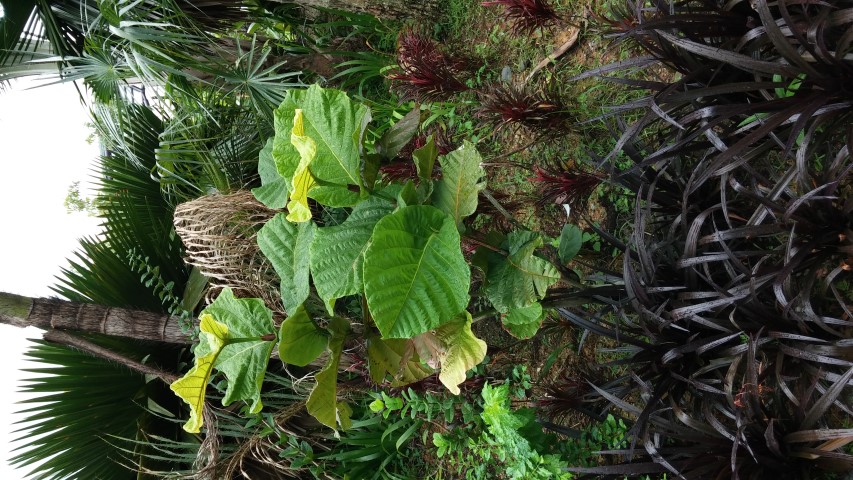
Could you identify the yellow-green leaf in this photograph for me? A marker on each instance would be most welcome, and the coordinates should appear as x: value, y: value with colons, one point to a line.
x: 323, y: 402
x: 192, y: 386
x: 464, y: 351
x: 248, y: 345
x: 456, y: 193
x: 302, y: 180
x: 397, y: 357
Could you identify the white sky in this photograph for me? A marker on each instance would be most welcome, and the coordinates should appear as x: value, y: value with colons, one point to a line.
x: 43, y: 150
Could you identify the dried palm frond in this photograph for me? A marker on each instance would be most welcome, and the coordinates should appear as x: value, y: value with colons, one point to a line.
x: 220, y: 235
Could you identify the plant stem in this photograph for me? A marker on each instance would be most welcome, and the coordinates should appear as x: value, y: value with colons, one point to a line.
x: 484, y: 315
x: 499, y: 207
x: 70, y: 340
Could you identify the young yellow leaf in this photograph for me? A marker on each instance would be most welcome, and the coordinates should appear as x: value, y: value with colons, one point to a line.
x: 464, y: 351
x: 192, y: 386
x: 303, y: 180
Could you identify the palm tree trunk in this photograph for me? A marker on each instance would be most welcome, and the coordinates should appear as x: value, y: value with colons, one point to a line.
x: 50, y: 314
x: 382, y: 9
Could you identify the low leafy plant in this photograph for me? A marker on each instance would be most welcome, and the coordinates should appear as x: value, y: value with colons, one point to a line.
x: 501, y: 443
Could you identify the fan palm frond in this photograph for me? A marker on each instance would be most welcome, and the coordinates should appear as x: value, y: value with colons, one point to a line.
x: 67, y: 420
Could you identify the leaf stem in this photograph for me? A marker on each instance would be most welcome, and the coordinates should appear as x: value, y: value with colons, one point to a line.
x: 230, y: 341
x: 486, y: 193
x: 491, y: 312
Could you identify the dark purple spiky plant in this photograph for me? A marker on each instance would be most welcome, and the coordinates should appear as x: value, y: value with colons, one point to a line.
x: 527, y: 15
x: 425, y: 73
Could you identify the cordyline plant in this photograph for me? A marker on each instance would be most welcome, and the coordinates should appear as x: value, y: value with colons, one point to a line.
x: 526, y: 16
x: 738, y: 267
x: 398, y: 255
x: 425, y: 72
x: 563, y: 186
x: 511, y: 106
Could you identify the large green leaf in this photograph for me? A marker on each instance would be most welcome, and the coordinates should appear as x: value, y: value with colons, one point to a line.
x: 323, y: 402
x: 334, y: 196
x: 399, y: 135
x: 424, y: 159
x: 415, y: 277
x: 571, y: 239
x: 193, y: 386
x: 337, y: 252
x: 287, y: 246
x: 301, y: 341
x: 334, y: 122
x: 284, y: 154
x: 523, y: 323
x: 250, y: 341
x: 456, y: 192
x: 520, y: 278
x: 396, y: 357
x: 274, y: 188
x: 463, y: 351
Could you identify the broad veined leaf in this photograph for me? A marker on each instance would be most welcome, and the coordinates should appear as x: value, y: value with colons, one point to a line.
x: 370, y: 170
x: 251, y: 339
x: 302, y: 180
x: 287, y: 246
x: 399, y: 135
x: 192, y: 386
x: 334, y: 196
x: 571, y: 239
x: 456, y: 193
x: 521, y: 278
x: 337, y: 126
x: 463, y: 351
x: 323, y: 402
x: 274, y: 188
x: 523, y: 323
x: 424, y: 159
x: 337, y: 252
x: 408, y: 195
x: 430, y: 349
x: 415, y: 277
x: 284, y: 154
x: 396, y: 357
x: 300, y: 340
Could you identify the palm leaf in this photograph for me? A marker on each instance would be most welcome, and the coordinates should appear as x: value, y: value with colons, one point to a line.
x: 67, y: 420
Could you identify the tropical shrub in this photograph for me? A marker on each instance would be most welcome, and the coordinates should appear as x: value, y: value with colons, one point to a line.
x: 394, y: 266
